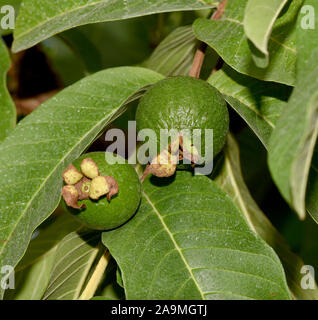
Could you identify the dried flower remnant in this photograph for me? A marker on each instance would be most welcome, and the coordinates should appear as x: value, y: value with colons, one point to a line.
x: 70, y: 196
x: 71, y: 175
x: 163, y: 166
x: 89, y: 168
x: 88, y: 184
x: 189, y: 151
x: 83, y: 187
x: 113, y: 187
x: 99, y: 187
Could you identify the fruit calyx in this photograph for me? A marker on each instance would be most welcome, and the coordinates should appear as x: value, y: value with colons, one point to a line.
x: 164, y: 165
x: 88, y: 184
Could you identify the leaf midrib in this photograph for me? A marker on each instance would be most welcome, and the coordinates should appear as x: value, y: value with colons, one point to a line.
x: 174, y: 243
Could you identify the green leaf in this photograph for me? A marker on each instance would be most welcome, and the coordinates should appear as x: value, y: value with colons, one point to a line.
x: 98, y: 44
x: 74, y: 258
x: 312, y: 188
x: 175, y: 54
x: 32, y: 274
x: 193, y: 243
x: 68, y: 67
x: 226, y: 36
x: 34, y: 25
x: 230, y: 179
x: 293, y: 140
x: 259, y: 103
x: 34, y: 156
x: 7, y: 107
x: 259, y: 20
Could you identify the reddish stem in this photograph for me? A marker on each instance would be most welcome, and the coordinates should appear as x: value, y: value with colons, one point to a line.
x: 200, y: 54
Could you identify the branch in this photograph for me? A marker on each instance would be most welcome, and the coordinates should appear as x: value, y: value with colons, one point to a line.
x: 200, y: 54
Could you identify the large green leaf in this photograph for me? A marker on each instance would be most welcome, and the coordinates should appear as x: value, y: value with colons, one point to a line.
x: 230, y: 179
x: 227, y: 37
x: 174, y: 55
x: 259, y: 20
x: 40, y: 19
x: 293, y: 140
x: 32, y: 274
x: 188, y: 241
x: 259, y: 103
x: 7, y: 108
x: 34, y: 156
x: 74, y: 258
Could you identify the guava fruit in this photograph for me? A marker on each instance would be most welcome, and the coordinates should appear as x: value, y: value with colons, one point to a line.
x: 183, y: 103
x: 106, y: 196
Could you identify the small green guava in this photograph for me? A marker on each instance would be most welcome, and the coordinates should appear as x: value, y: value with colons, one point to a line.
x: 185, y: 103
x: 104, y: 201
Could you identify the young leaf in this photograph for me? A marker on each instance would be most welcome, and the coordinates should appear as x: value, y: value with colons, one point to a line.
x: 193, y: 243
x: 293, y: 140
x: 230, y: 180
x: 259, y: 20
x: 34, y: 156
x: 259, y: 103
x: 7, y: 107
x: 174, y: 55
x: 226, y: 36
x: 74, y: 258
x: 34, y: 25
x: 32, y: 274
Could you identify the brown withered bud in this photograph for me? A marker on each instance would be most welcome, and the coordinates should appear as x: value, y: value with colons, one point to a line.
x: 89, y: 168
x: 99, y: 187
x: 163, y: 166
x: 189, y: 151
x: 113, y: 187
x: 83, y: 188
x: 70, y: 196
x: 71, y: 175
x: 174, y: 146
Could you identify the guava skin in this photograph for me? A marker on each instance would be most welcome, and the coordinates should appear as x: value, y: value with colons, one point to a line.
x: 185, y: 103
x: 103, y: 214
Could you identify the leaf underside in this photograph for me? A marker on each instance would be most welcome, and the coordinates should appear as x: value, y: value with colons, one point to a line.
x: 259, y: 19
x: 32, y: 274
x: 174, y: 55
x: 74, y: 257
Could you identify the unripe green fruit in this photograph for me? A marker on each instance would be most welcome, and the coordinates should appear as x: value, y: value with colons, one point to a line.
x: 104, y: 214
x: 185, y: 103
